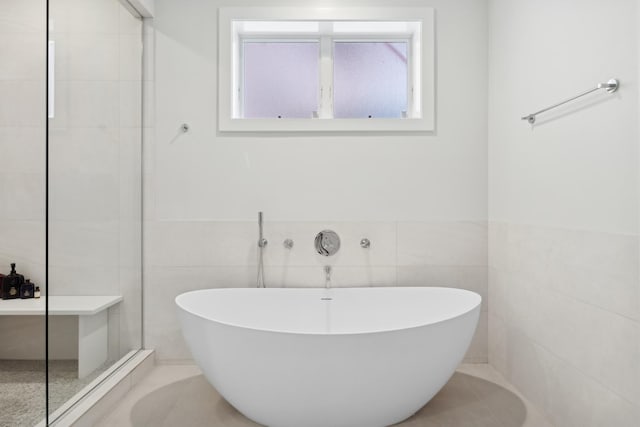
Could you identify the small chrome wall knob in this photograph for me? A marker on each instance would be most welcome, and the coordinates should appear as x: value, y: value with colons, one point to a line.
x: 327, y: 242
x: 365, y: 243
x: 288, y: 243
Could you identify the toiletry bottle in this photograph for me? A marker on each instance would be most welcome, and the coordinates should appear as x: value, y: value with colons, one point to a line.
x: 11, y: 284
x: 2, y: 276
x: 27, y: 290
x: 36, y: 293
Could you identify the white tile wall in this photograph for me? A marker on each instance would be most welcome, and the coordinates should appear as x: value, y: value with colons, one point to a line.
x: 129, y: 103
x: 104, y: 112
x: 473, y: 278
x: 77, y: 197
x: 563, y: 315
x: 23, y: 196
x: 130, y: 328
x: 22, y: 103
x: 22, y: 149
x: 19, y: 239
x: 80, y: 16
x: 91, y: 57
x: 130, y: 174
x: 302, y: 277
x: 20, y: 58
x: 564, y: 393
x: 22, y: 17
x: 84, y: 280
x: 130, y: 56
x: 86, y: 243
x: 442, y: 243
x: 85, y: 151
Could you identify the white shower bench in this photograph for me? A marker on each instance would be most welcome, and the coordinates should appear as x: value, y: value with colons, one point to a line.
x: 93, y: 322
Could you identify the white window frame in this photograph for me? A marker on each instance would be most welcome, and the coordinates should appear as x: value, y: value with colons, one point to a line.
x: 421, y: 100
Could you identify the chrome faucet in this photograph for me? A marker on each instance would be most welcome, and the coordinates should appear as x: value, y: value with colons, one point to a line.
x: 327, y: 276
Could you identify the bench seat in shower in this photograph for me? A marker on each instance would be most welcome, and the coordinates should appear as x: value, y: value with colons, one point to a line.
x: 92, y: 317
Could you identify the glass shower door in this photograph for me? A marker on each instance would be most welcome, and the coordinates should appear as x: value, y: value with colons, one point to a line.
x: 94, y: 218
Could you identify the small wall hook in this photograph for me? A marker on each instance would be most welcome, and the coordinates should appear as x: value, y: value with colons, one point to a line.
x: 288, y: 243
x: 365, y: 243
x: 184, y: 128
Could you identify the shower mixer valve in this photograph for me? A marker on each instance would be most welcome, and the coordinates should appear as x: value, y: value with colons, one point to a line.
x: 327, y: 242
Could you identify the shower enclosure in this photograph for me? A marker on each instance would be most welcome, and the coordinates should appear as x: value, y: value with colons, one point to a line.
x: 70, y: 200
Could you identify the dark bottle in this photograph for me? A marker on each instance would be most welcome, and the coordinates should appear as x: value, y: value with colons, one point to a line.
x: 11, y: 284
x: 27, y: 290
x: 2, y: 276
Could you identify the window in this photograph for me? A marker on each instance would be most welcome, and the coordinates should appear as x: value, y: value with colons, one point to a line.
x: 352, y: 69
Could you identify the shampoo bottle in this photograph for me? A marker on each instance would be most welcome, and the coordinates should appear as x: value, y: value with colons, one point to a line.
x: 11, y: 284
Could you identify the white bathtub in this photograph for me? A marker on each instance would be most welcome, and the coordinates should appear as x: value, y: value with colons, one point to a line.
x: 357, y: 357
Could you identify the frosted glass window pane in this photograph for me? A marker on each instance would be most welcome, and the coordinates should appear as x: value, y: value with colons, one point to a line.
x: 280, y: 79
x: 370, y: 79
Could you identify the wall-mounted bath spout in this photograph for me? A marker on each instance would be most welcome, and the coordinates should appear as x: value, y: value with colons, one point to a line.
x: 327, y: 276
x: 262, y: 243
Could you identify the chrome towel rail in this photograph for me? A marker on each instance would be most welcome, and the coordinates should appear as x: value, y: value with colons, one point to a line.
x: 610, y: 86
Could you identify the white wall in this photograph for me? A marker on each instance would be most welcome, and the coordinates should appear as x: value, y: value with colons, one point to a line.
x: 421, y: 198
x: 205, y: 175
x: 578, y: 167
x: 564, y: 313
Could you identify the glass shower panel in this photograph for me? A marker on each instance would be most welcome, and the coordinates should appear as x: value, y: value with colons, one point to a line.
x: 22, y: 210
x: 95, y: 169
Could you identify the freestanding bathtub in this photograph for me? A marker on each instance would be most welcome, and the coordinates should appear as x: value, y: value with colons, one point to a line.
x: 341, y: 357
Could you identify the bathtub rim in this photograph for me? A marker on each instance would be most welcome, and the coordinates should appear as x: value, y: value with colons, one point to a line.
x: 333, y: 334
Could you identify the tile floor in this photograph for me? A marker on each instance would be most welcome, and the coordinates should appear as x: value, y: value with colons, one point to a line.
x: 178, y: 395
